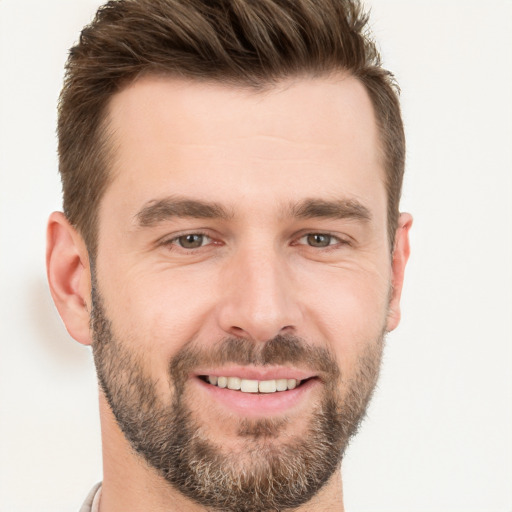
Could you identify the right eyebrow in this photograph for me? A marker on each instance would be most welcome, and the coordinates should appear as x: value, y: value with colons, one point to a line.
x: 160, y: 210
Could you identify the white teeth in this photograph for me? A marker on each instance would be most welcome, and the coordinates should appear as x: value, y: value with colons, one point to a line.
x: 234, y: 383
x: 249, y: 386
x: 253, y: 386
x: 281, y: 384
x: 267, y: 386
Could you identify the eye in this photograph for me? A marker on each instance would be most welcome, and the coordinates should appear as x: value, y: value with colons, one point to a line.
x: 191, y: 241
x: 319, y: 240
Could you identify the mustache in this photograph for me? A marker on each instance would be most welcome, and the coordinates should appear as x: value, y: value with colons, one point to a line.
x: 281, y: 350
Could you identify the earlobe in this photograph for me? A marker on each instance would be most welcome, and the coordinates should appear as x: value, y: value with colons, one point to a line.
x: 68, y: 271
x: 401, y: 253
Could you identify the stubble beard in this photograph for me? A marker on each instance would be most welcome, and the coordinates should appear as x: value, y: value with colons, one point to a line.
x: 268, y: 474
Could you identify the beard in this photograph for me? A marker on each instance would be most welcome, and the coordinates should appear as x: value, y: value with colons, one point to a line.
x: 269, y: 473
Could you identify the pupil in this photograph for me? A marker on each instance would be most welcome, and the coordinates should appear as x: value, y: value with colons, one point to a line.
x: 191, y: 241
x: 319, y: 240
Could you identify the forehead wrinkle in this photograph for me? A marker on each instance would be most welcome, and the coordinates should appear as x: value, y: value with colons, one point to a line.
x: 160, y: 210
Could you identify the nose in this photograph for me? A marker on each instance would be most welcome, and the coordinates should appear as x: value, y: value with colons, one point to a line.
x: 259, y: 298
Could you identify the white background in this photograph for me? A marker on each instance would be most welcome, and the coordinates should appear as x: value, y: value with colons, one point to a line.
x: 438, y: 437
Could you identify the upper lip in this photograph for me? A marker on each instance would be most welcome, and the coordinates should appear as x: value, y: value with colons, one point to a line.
x: 257, y: 373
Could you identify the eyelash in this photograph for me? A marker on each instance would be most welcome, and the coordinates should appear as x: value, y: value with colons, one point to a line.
x: 330, y: 246
x: 174, y: 242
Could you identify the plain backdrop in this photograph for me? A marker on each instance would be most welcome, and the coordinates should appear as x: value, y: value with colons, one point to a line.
x: 438, y: 437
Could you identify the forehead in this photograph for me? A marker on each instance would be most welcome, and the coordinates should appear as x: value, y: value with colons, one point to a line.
x: 305, y: 136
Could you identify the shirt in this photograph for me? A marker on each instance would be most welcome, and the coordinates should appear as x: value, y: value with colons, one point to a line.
x: 92, y: 502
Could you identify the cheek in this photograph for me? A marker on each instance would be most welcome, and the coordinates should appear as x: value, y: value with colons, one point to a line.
x: 158, y: 313
x: 350, y: 311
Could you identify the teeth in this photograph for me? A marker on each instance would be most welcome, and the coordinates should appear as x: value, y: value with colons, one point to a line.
x: 234, y: 383
x: 253, y: 386
x: 281, y: 384
x: 292, y: 383
x: 267, y: 386
x: 249, y: 386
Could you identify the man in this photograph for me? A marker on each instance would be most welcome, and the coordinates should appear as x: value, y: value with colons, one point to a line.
x: 231, y: 245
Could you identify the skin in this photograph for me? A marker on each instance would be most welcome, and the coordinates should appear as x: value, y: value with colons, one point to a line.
x: 255, y: 154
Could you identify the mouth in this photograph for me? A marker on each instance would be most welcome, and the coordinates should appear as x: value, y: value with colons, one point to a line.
x: 253, y: 385
x: 255, y: 393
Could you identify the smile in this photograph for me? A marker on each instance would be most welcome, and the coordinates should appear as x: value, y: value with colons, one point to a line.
x: 252, y: 386
x: 260, y: 392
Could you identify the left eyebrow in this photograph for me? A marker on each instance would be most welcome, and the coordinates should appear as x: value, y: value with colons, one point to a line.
x: 337, y: 209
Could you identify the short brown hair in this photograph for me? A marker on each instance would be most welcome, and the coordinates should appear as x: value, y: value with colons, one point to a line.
x: 250, y: 43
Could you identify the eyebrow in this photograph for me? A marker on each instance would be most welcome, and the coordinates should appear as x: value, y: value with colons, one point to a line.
x: 160, y: 210
x: 336, y: 209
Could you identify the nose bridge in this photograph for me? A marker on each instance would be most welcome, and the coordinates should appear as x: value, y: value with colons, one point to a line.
x: 259, y: 300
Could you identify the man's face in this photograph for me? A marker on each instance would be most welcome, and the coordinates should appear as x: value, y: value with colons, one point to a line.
x: 242, y: 242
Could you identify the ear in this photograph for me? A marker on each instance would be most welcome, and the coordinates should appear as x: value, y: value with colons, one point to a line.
x: 68, y: 270
x: 401, y: 253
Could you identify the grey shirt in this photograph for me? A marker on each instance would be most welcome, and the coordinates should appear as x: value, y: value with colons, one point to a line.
x: 92, y: 502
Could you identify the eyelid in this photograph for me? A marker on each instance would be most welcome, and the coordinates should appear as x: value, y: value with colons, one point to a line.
x: 340, y: 240
x: 171, y: 241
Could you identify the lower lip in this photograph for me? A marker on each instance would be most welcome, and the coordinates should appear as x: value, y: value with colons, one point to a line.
x: 259, y: 404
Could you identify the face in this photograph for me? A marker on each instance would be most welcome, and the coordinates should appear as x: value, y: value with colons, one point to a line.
x: 242, y: 283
